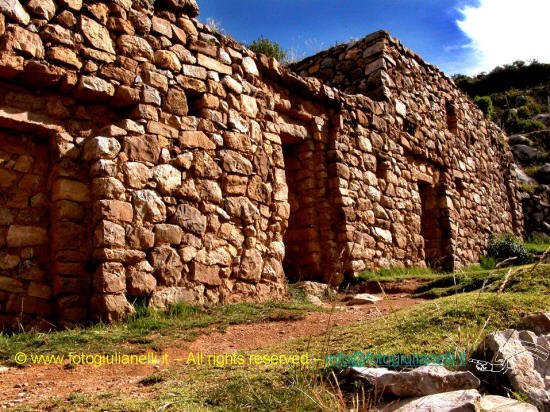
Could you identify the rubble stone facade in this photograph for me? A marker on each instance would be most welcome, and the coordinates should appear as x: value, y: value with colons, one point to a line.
x: 143, y: 156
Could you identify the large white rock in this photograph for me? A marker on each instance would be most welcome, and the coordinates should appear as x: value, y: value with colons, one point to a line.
x: 148, y: 206
x: 101, y: 147
x: 456, y: 401
x: 167, y: 177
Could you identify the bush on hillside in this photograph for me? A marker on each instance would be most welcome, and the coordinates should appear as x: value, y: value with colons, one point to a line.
x: 269, y: 48
x: 486, y: 105
x: 515, y: 125
x: 502, y: 247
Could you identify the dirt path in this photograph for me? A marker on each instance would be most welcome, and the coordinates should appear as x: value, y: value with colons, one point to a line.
x: 38, y: 382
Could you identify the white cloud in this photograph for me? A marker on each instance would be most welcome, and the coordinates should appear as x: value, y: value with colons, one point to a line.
x: 503, y: 31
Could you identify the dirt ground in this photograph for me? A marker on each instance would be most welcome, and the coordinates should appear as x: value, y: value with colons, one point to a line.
x: 38, y: 382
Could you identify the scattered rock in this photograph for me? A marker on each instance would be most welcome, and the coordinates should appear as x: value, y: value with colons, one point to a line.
x: 313, y: 288
x: 519, y: 139
x: 495, y: 403
x: 539, y: 323
x: 364, y: 299
x: 526, y: 359
x: 525, y: 154
x: 456, y: 401
x: 543, y: 174
x: 425, y: 380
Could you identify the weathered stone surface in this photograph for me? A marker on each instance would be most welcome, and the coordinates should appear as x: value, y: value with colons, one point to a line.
x: 110, y: 278
x: 141, y: 148
x: 101, y: 148
x: 539, y: 323
x: 65, y: 189
x: 96, y: 34
x: 140, y: 280
x: 189, y: 218
x: 189, y: 7
x: 196, y: 140
x: 363, y: 299
x: 114, y: 210
x: 456, y: 401
x: 208, y: 275
x: 15, y: 11
x: 25, y: 41
x: 425, y: 380
x: 136, y: 174
x: 167, y: 177
x: 167, y: 265
x: 111, y: 308
x: 64, y: 55
x: 176, y: 102
x: 167, y: 60
x: 8, y: 261
x: 251, y: 266
x: 93, y: 89
x: 495, y: 403
x: 109, y: 234
x: 42, y: 8
x: 163, y: 298
x: 135, y: 47
x: 526, y: 365
x: 148, y: 206
x: 168, y: 234
x: 22, y: 236
x: 313, y: 288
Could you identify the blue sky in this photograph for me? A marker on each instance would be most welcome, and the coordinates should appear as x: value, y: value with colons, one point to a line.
x: 459, y: 36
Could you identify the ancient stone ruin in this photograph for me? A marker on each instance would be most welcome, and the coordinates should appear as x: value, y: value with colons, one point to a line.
x: 145, y: 157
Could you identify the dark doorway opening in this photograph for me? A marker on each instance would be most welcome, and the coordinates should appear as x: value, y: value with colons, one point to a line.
x: 309, y: 240
x: 435, y: 227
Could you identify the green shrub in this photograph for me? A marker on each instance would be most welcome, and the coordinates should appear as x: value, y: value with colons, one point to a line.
x: 506, y: 246
x: 515, y: 125
x: 486, y: 105
x: 269, y: 48
x: 487, y: 263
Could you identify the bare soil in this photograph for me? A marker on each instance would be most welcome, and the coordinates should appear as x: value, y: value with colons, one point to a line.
x: 39, y: 382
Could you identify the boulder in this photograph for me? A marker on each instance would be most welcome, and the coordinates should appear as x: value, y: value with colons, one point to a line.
x: 42, y: 8
x: 425, y: 380
x: 524, y: 359
x: 525, y: 154
x: 544, y: 118
x: 455, y: 401
x: 522, y: 176
x: 538, y: 323
x: 495, y: 403
x: 101, y: 148
x: 519, y: 139
x: 313, y: 288
x: 543, y: 174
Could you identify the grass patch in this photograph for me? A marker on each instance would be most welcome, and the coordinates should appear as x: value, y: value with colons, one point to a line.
x: 149, y: 329
x: 522, y: 279
x: 454, y: 323
x: 396, y: 274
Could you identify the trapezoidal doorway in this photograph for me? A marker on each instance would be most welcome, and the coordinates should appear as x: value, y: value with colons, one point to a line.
x: 435, y: 227
x: 310, y: 238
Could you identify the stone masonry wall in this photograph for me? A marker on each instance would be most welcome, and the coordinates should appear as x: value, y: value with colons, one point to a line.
x: 436, y: 136
x: 145, y: 157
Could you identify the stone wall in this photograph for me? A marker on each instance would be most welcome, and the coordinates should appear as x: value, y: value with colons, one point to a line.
x: 145, y: 157
x: 436, y: 136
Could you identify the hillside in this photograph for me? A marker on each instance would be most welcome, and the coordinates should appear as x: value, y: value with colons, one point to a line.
x: 516, y: 97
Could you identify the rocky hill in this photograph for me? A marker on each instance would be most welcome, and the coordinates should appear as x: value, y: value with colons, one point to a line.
x: 516, y: 97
